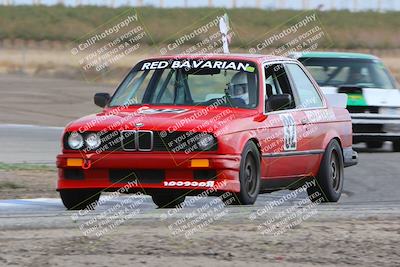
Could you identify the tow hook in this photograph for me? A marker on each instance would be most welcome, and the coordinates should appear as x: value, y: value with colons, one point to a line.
x: 87, y: 163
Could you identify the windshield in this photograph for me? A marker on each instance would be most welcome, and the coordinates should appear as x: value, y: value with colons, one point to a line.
x: 365, y: 73
x: 190, y: 82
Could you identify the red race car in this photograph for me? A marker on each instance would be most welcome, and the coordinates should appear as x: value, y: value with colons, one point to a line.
x: 184, y: 125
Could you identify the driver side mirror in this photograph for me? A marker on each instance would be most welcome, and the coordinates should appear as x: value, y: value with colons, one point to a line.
x: 102, y: 99
x: 279, y: 102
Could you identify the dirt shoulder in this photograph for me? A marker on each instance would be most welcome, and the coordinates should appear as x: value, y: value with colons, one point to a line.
x: 17, y: 184
x: 362, y: 242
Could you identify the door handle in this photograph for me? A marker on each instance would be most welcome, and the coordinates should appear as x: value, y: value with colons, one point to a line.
x: 304, y: 121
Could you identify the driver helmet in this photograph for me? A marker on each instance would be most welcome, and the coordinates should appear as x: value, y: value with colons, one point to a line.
x: 238, y: 87
x: 355, y: 76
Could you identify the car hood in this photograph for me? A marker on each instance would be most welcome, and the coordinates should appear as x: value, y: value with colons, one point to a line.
x: 167, y: 118
x: 370, y: 97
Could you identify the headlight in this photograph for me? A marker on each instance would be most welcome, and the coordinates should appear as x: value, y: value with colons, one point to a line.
x: 206, y: 141
x: 389, y: 111
x: 92, y: 141
x: 75, y: 140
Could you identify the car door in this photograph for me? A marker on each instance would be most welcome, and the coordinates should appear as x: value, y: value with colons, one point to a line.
x: 313, y: 117
x: 280, y: 144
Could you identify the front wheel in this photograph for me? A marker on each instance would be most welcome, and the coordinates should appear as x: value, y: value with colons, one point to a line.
x: 80, y: 199
x: 329, y: 181
x: 249, y: 176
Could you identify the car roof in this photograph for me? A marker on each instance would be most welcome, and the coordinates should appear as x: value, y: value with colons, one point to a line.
x: 234, y: 56
x: 336, y: 55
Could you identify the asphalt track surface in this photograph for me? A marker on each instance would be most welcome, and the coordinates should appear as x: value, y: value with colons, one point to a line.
x: 29, y: 143
x: 362, y: 229
x: 373, y: 183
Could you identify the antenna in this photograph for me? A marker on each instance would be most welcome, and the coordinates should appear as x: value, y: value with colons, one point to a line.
x: 224, y: 29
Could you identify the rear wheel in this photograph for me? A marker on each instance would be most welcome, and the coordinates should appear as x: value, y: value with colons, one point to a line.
x: 396, y: 146
x: 80, y: 199
x: 249, y: 176
x: 374, y: 144
x: 167, y: 199
x: 329, y: 182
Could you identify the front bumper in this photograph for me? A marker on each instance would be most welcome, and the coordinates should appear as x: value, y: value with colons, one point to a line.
x: 148, y: 170
x: 375, y: 127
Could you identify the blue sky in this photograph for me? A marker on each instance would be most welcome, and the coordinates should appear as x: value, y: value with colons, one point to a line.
x: 297, y: 4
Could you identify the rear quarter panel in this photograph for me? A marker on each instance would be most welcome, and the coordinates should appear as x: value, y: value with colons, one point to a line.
x: 328, y: 124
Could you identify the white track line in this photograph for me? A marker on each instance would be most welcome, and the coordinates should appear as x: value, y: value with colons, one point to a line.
x: 30, y: 126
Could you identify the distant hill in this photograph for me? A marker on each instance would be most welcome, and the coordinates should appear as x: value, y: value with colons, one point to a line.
x: 346, y: 30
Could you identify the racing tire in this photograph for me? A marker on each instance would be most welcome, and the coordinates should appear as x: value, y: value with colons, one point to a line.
x: 249, y: 176
x: 167, y: 200
x: 396, y: 146
x: 329, y: 181
x: 374, y: 144
x: 80, y: 199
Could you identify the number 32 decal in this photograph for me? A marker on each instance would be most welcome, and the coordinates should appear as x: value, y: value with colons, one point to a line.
x: 289, y: 132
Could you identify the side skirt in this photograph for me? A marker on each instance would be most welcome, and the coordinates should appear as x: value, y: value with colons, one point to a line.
x: 269, y: 185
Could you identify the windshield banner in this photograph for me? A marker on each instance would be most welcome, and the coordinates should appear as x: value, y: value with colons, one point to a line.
x: 198, y: 64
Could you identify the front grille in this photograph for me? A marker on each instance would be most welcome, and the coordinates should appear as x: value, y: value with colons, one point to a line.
x: 169, y: 141
x: 128, y: 140
x: 139, y: 176
x: 363, y: 109
x: 137, y: 140
x: 367, y: 128
x: 145, y: 140
x: 178, y: 142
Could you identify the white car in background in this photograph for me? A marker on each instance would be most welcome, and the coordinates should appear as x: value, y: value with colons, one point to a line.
x: 373, y: 94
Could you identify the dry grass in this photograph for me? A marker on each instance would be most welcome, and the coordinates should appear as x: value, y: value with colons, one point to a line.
x: 348, y: 30
x: 58, y: 62
x: 37, y: 40
x: 16, y: 184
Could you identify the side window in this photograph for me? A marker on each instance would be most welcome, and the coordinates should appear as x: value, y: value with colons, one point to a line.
x: 308, y: 95
x: 277, y: 81
x: 272, y: 85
